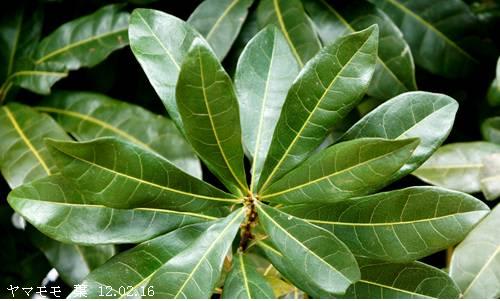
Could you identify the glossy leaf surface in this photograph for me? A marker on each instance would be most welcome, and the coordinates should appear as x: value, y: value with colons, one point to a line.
x: 342, y: 171
x: 425, y: 115
x: 399, y: 226
x: 289, y: 16
x: 209, y: 110
x: 220, y: 22
x: 193, y: 273
x: 90, y: 115
x: 457, y: 165
x: 315, y: 252
x: 324, y: 92
x: 265, y: 72
x: 475, y: 262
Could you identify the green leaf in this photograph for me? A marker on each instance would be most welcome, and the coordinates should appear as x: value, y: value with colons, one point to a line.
x: 490, y: 176
x: 433, y: 29
x: 58, y: 209
x: 265, y: 71
x: 324, y: 92
x: 244, y: 282
x: 73, y: 262
x: 220, y: 22
x: 86, y: 41
x: 146, y: 180
x: 315, y: 252
x: 342, y: 171
x: 160, y: 42
x: 209, y: 111
x: 493, y: 95
x: 490, y: 129
x: 194, y: 272
x: 289, y: 16
x: 90, y: 115
x: 395, y: 70
x: 23, y: 155
x: 383, y: 280
x: 136, y: 266
x: 425, y: 115
x: 397, y: 226
x: 475, y: 262
x: 37, y: 78
x: 457, y: 166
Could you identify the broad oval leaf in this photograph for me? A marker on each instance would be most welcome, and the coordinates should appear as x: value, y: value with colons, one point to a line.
x: 315, y: 252
x: 142, y: 179
x: 475, y: 262
x: 324, y: 92
x: 490, y: 129
x: 194, y: 272
x: 244, y: 282
x: 23, y: 155
x: 220, y: 21
x: 59, y: 210
x: 395, y: 70
x: 160, y: 42
x: 433, y: 29
x: 397, y: 226
x: 90, y: 115
x: 136, y: 266
x: 457, y: 165
x: 265, y: 72
x: 383, y: 280
x: 86, y: 41
x: 209, y: 110
x: 428, y: 116
x: 490, y: 176
x: 289, y: 16
x: 342, y: 171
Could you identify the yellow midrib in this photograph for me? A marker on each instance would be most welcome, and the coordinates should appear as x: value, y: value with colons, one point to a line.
x: 244, y: 273
x: 497, y: 250
x: 281, y: 22
x: 25, y: 139
x: 219, y: 20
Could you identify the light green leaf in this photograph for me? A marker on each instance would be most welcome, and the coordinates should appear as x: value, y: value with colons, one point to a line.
x: 425, y: 115
x: 395, y: 70
x: 324, y: 92
x: 136, y: 266
x: 342, y: 171
x: 433, y: 30
x: 265, y: 72
x: 209, y: 110
x: 160, y: 42
x: 220, y: 21
x: 490, y: 176
x: 397, y: 226
x: 142, y: 179
x: 244, y: 282
x: 90, y: 115
x: 58, y: 209
x: 313, y: 251
x: 383, y: 280
x: 475, y: 264
x: 86, y: 41
x: 457, y: 166
x: 289, y: 16
x: 194, y: 272
x: 490, y: 129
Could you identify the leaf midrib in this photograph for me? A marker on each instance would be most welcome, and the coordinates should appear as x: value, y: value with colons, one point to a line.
x: 497, y: 250
x: 221, y: 17
x: 244, y: 274
x: 281, y: 23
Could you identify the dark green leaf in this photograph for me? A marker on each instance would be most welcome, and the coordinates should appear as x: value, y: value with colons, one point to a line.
x: 289, y: 16
x: 265, y: 72
x: 399, y: 226
x: 38, y: 78
x: 433, y: 30
x: 457, y: 165
x: 325, y: 91
x: 342, y: 171
x: 244, y: 282
x: 209, y: 110
x: 395, y: 71
x: 425, y: 115
x: 194, y: 272
x: 313, y: 251
x: 220, y: 21
x: 493, y: 95
x: 476, y: 261
x: 491, y: 130
x: 90, y: 115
